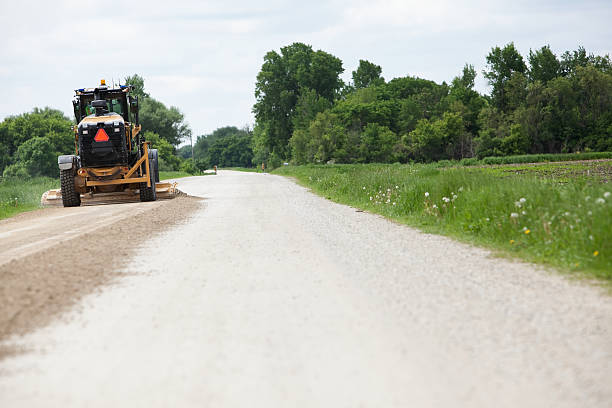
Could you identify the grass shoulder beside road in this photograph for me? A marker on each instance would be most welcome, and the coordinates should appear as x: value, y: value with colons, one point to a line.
x: 167, y: 175
x: 19, y: 195
x: 553, y: 214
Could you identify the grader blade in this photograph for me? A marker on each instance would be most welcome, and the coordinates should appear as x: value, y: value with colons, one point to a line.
x: 165, y: 191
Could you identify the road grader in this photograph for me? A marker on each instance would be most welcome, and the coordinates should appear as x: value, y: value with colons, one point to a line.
x: 112, y: 161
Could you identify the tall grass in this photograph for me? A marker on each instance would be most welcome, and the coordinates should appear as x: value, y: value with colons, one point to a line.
x: 567, y: 225
x: 19, y: 195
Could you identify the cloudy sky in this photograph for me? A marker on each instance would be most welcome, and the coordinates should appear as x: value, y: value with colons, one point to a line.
x: 203, y: 56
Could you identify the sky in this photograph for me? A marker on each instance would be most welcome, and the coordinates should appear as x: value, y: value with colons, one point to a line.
x: 203, y: 56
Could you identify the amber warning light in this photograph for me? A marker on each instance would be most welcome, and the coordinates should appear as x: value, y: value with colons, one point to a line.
x: 101, y: 136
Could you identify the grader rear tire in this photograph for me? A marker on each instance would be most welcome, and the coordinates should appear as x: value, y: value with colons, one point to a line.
x: 70, y: 197
x: 149, y: 193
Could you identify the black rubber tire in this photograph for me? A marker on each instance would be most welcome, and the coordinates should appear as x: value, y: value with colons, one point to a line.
x: 149, y: 193
x: 154, y: 156
x: 70, y: 197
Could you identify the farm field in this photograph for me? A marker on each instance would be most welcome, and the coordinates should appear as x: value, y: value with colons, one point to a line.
x: 557, y: 214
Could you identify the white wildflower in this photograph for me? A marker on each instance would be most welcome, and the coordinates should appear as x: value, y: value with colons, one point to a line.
x: 396, y: 187
x: 524, y: 212
x: 460, y: 189
x: 591, y: 237
x: 524, y: 228
x: 426, y: 194
x: 394, y: 203
x: 518, y: 204
x: 435, y: 206
x: 364, y: 187
x: 488, y: 219
x: 454, y: 197
x: 566, y: 214
x: 522, y: 200
x: 606, y: 194
x: 370, y: 198
x: 514, y: 215
x: 446, y: 199
x: 590, y: 213
x: 600, y: 200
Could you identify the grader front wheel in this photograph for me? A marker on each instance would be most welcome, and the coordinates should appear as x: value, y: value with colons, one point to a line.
x: 70, y: 197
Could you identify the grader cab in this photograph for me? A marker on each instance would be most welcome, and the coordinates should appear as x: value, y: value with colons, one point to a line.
x: 112, y: 160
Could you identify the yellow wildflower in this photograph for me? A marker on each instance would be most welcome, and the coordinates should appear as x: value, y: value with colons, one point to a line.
x: 595, y: 253
x: 527, y: 231
x: 511, y: 241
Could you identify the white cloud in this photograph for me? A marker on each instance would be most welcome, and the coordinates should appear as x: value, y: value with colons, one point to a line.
x: 203, y: 56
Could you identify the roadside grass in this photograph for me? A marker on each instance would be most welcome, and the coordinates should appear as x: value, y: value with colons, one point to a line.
x: 558, y: 221
x: 165, y: 175
x: 19, y: 195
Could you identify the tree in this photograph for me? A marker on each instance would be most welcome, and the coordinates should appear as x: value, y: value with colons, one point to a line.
x: 168, y: 160
x: 543, y: 65
x: 367, y: 74
x: 48, y: 124
x: 168, y: 123
x: 282, y: 79
x: 502, y: 63
x: 137, y: 83
x: 232, y: 151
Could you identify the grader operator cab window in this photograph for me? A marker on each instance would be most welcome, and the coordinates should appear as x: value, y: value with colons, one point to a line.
x: 114, y: 105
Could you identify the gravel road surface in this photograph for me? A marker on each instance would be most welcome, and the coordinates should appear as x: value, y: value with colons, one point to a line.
x: 269, y: 296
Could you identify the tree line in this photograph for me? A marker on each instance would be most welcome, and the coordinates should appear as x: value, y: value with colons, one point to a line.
x: 545, y: 104
x: 305, y: 113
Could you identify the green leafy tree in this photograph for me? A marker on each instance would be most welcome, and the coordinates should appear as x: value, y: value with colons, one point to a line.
x: 168, y: 123
x: 367, y: 74
x: 282, y: 79
x: 35, y: 157
x: 48, y: 124
x: 138, y: 85
x: 502, y: 63
x: 232, y: 151
x: 168, y: 161
x: 543, y: 65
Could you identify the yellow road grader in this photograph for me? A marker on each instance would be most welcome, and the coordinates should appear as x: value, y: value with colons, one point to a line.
x: 112, y: 161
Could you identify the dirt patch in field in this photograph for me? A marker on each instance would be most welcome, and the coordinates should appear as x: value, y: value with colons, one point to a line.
x: 36, y: 288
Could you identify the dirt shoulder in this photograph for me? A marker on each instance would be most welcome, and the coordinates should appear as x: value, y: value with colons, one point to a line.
x: 51, y: 258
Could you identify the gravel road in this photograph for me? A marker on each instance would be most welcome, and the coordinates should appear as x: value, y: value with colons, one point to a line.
x: 269, y: 296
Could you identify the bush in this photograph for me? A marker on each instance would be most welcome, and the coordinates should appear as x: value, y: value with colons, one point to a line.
x: 188, y: 166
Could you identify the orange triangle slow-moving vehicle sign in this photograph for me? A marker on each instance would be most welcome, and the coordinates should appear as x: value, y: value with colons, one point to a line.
x: 101, y: 136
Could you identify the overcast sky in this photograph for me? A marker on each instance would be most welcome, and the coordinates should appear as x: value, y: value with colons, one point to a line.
x: 203, y: 56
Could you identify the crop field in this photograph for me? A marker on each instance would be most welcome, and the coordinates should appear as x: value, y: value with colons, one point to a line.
x: 557, y: 214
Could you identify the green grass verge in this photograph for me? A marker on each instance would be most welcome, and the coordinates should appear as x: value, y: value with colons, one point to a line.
x: 165, y: 175
x: 19, y: 195
x: 529, y: 215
